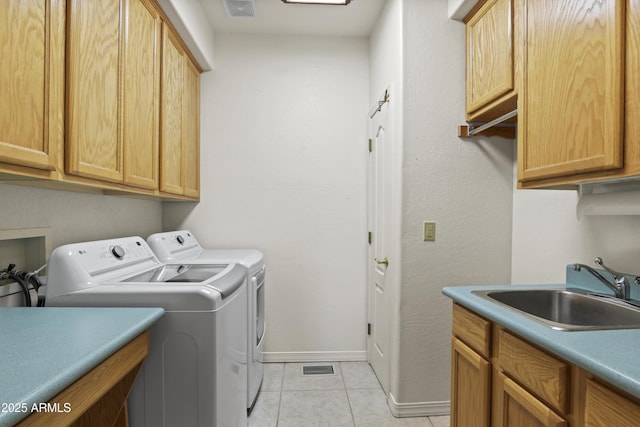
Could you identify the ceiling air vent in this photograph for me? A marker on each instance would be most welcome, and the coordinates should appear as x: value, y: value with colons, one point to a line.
x: 240, y: 8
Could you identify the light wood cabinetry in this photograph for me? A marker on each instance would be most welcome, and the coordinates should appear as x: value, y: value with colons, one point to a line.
x: 470, y: 387
x: 104, y: 57
x: 502, y: 380
x: 141, y: 91
x: 179, y: 142
x: 171, y: 114
x: 31, y: 82
x: 94, y: 143
x: 516, y: 407
x: 191, y: 129
x: 470, y: 370
x: 604, y: 407
x: 491, y: 88
x: 546, y: 376
x: 571, y: 124
x: 112, y: 114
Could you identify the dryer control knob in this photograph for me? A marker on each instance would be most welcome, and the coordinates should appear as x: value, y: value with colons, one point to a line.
x: 180, y: 239
x: 117, y: 251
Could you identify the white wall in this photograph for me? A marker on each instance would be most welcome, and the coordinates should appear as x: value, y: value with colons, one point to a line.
x: 283, y: 155
x: 77, y: 217
x: 463, y: 185
x: 548, y: 234
x: 190, y: 20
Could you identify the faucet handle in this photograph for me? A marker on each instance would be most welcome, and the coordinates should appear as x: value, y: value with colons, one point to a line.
x: 600, y: 262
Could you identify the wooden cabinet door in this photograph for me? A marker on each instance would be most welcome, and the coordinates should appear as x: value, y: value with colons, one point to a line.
x: 515, y: 407
x: 570, y: 115
x: 191, y: 129
x: 94, y: 143
x: 470, y: 387
x: 490, y: 72
x: 604, y: 407
x: 31, y: 105
x: 171, y: 178
x: 141, y: 94
x: 632, y: 90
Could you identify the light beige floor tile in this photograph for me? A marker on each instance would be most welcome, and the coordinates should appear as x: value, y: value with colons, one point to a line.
x: 273, y: 374
x: 442, y: 421
x: 322, y: 408
x: 417, y: 422
x: 294, y: 380
x: 369, y: 408
x: 265, y: 411
x: 358, y: 375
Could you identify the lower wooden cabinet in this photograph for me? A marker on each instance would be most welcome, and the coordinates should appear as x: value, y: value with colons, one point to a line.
x: 514, y: 406
x: 470, y: 387
x: 604, y: 407
x: 501, y: 380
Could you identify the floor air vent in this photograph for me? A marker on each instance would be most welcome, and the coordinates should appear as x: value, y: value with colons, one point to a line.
x: 318, y: 370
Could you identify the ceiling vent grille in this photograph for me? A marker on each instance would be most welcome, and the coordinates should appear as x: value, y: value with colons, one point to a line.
x: 240, y: 8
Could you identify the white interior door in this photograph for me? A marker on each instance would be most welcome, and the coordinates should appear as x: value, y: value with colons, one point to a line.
x: 378, y: 262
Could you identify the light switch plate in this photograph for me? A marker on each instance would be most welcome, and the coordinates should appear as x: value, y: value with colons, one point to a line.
x: 429, y: 231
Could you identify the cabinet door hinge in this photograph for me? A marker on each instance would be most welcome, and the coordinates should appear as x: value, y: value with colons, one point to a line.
x: 368, y: 328
x: 370, y: 145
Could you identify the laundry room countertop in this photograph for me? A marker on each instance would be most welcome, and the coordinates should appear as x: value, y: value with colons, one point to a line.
x: 608, y: 354
x: 44, y: 350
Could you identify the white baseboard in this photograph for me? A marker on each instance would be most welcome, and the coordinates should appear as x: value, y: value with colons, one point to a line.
x: 418, y: 409
x: 315, y: 356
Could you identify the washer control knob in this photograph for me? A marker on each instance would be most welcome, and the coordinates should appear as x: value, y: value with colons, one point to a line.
x: 117, y: 251
x: 180, y: 239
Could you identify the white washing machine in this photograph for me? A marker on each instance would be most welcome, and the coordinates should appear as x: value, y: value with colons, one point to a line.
x: 196, y: 370
x: 182, y: 246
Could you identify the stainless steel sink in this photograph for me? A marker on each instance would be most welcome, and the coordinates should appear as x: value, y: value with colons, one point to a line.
x: 566, y: 310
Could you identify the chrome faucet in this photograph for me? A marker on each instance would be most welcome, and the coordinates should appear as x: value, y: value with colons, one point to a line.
x: 620, y: 287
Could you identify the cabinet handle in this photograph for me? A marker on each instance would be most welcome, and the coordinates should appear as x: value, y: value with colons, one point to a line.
x: 383, y: 261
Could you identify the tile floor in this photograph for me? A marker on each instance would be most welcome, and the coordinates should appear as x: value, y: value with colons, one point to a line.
x: 351, y: 397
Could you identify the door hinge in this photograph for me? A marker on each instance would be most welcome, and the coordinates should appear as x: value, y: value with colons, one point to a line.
x: 370, y: 145
x: 370, y: 237
x: 368, y: 328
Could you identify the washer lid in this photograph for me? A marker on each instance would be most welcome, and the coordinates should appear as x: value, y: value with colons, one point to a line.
x: 179, y: 273
x: 226, y: 279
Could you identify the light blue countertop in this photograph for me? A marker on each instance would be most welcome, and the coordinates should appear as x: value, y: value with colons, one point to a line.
x: 611, y: 355
x: 44, y: 350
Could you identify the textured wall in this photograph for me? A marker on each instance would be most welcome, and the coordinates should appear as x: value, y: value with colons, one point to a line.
x: 78, y: 217
x: 465, y: 186
x: 548, y: 234
x: 284, y: 137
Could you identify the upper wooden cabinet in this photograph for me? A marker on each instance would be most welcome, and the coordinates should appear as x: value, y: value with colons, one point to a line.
x: 180, y: 120
x: 491, y: 87
x: 133, y: 102
x: 571, y: 107
x: 94, y: 142
x: 171, y: 179
x: 191, y: 129
x: 112, y: 83
x: 141, y: 91
x: 31, y: 82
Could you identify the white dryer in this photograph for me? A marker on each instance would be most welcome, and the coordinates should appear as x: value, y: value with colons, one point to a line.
x: 182, y: 246
x: 196, y: 371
